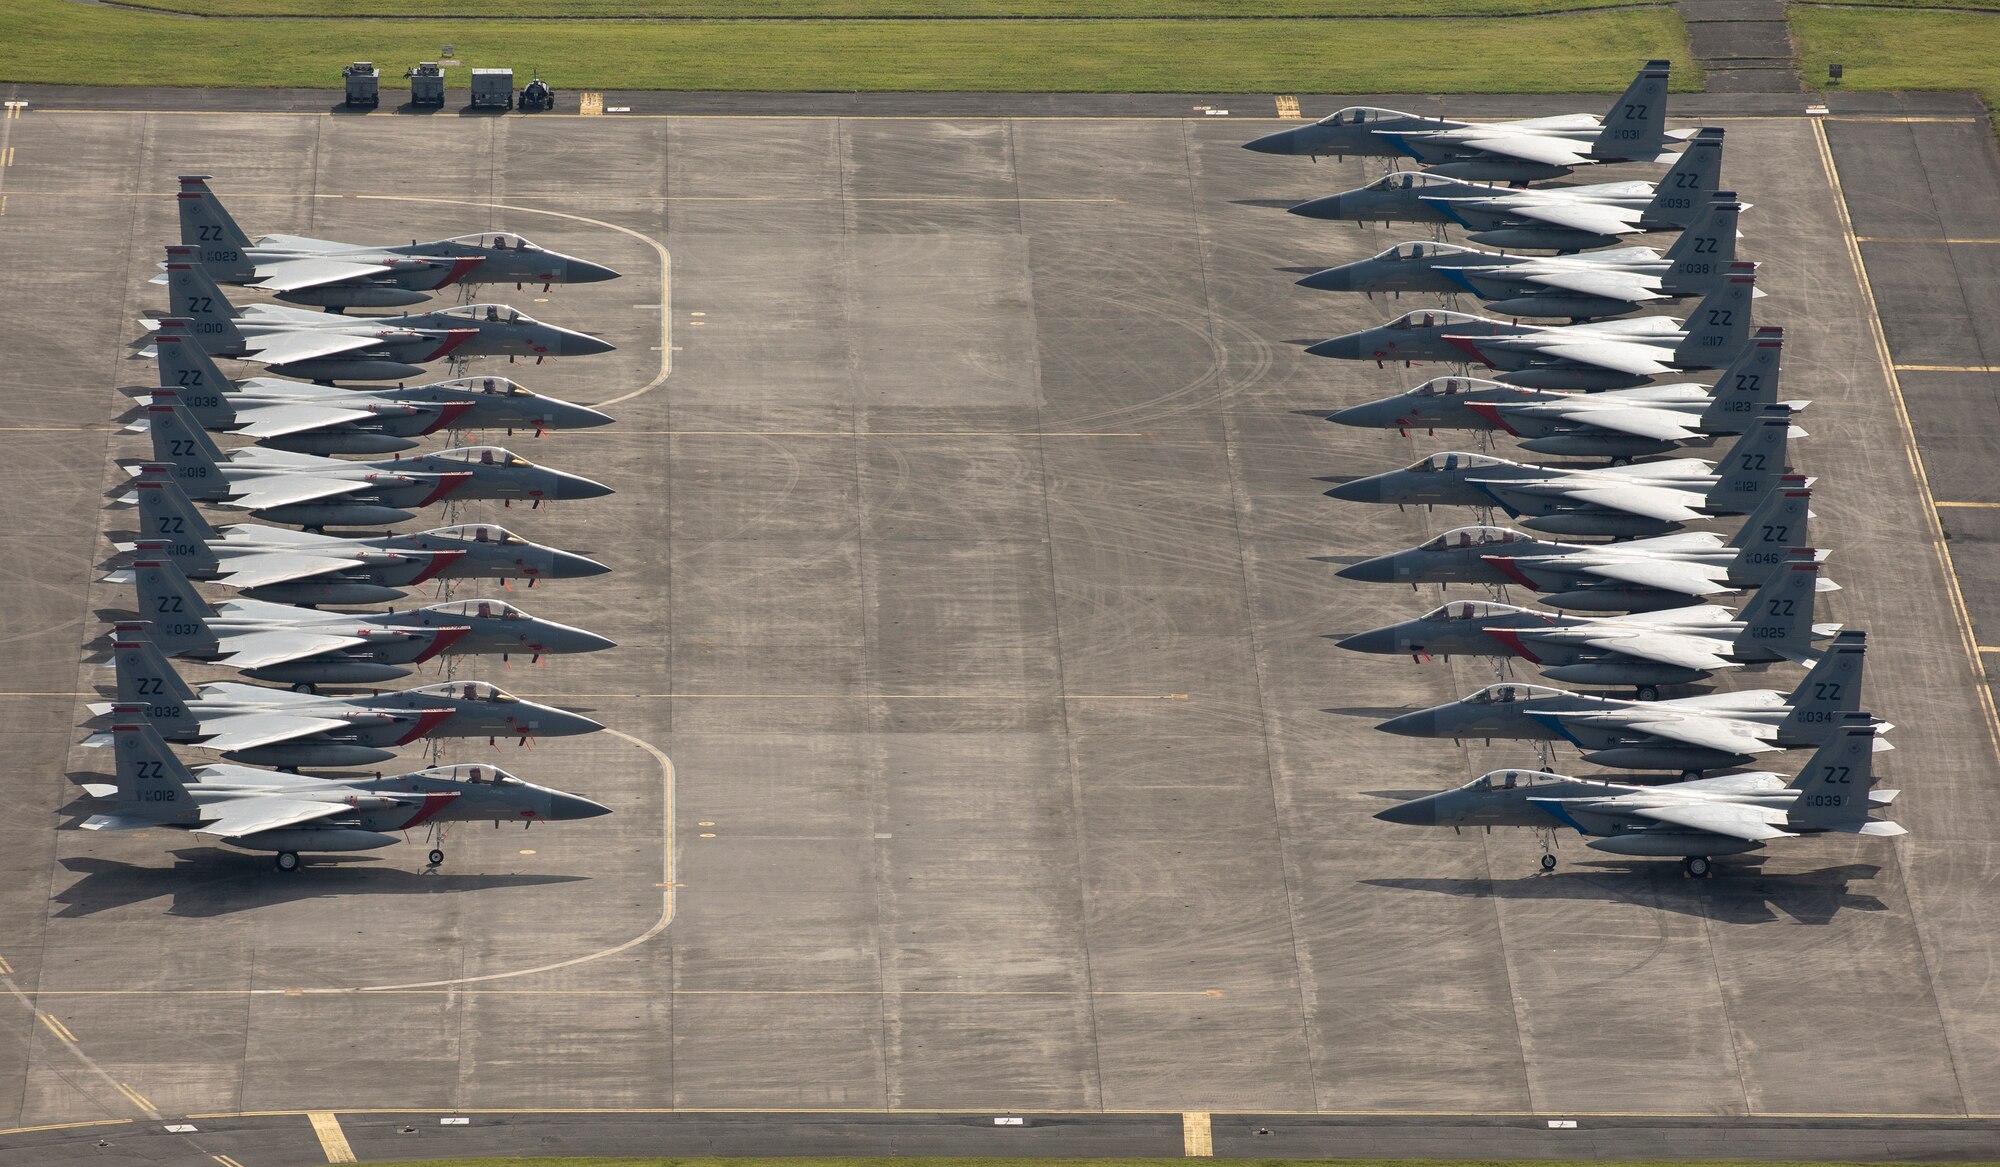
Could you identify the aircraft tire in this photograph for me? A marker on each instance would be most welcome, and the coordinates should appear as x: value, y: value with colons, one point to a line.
x: 436, y: 857
x: 288, y: 861
x: 1696, y: 866
x: 1649, y: 693
x: 1548, y: 863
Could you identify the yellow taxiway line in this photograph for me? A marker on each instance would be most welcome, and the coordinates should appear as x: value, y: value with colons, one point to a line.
x: 1197, y: 1141
x: 332, y: 1139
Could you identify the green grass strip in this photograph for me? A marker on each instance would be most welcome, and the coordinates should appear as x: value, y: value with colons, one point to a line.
x: 1882, y: 49
x: 57, y: 41
x: 825, y: 9
x: 974, y: 1162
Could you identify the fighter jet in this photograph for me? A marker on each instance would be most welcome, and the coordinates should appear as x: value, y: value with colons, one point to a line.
x: 1639, y: 575
x: 300, y: 567
x: 319, y: 419
x: 1726, y: 815
x: 300, y: 646
x: 1609, y: 354
x: 1647, y: 498
x: 323, y: 347
x: 269, y: 810
x: 1709, y: 731
x: 1561, y: 219
x: 1633, y: 130
x: 277, y: 727
x: 1619, y: 424
x: 312, y: 491
x: 1673, y: 646
x: 1580, y: 287
x: 338, y: 276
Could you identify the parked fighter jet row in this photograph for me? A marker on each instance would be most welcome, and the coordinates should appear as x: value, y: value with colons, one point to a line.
x: 1633, y: 611
x: 278, y: 631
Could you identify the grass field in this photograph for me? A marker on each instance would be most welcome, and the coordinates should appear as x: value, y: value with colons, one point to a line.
x: 1883, y: 49
x: 61, y: 42
x: 871, y: 9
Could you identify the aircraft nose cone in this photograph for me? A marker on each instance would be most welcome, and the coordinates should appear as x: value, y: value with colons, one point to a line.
x: 1341, y: 348
x: 563, y: 723
x: 583, y: 272
x: 1333, y: 279
x: 577, y: 344
x: 1422, y: 723
x: 1326, y: 207
x: 577, y: 640
x: 1418, y: 812
x: 1359, y: 490
x: 570, y: 486
x: 1363, y: 416
x: 569, y: 565
x: 1377, y: 640
x: 1381, y: 569
x: 582, y: 417
x: 1274, y: 143
x: 573, y: 806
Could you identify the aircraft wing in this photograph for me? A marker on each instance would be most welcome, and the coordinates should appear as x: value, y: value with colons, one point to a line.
x: 258, y: 491
x: 270, y: 421
x: 299, y: 243
x: 1715, y: 733
x: 1737, y: 820
x: 293, y: 275
x: 1693, y: 579
x: 250, y: 571
x: 1598, y: 218
x: 1660, y: 424
x: 1653, y: 502
x: 234, y: 817
x: 257, y: 649
x: 279, y: 348
x: 244, y: 730
x: 240, y: 694
x: 1666, y: 648
x: 1640, y: 360
x: 1611, y: 283
x: 1552, y: 151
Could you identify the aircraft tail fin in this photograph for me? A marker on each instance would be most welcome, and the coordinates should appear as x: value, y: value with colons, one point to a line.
x: 1635, y: 127
x: 151, y: 780
x: 1830, y: 692
x: 1779, y: 616
x: 178, y: 612
x: 207, y: 227
x: 1833, y: 787
x: 193, y: 296
x: 187, y: 369
x: 1719, y: 326
x: 1682, y: 195
x: 1701, y: 256
x: 171, y: 525
x: 148, y: 682
x: 180, y: 443
x: 1780, y: 523
x: 1748, y: 385
x: 1753, y: 465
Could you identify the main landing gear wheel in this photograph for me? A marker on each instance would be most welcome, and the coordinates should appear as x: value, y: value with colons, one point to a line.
x: 288, y: 861
x: 1649, y: 692
x: 1548, y: 863
x: 436, y: 857
x: 1696, y: 866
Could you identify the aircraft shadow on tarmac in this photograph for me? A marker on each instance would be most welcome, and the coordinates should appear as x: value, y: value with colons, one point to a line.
x: 1377, y: 712
x: 209, y: 881
x: 1273, y: 204
x: 1737, y: 894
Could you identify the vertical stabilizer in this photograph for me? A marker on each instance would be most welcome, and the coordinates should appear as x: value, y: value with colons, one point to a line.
x: 1833, y: 787
x: 1635, y: 127
x: 222, y: 246
x: 1683, y: 193
x: 1719, y: 326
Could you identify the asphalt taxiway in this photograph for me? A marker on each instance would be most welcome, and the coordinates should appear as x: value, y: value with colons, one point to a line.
x: 966, y: 570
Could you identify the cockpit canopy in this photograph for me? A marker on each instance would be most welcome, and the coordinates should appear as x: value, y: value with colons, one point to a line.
x: 494, y: 386
x: 1471, y: 610
x: 484, y: 456
x: 479, y: 533
x: 481, y: 609
x: 1412, y: 180
x: 475, y: 775
x: 1459, y: 386
x: 1452, y: 460
x: 1476, y: 537
x: 495, y: 241
x: 490, y: 314
x: 1510, y: 693
x: 470, y: 691
x: 1513, y: 779
x: 1431, y: 318
x: 1420, y: 249
x: 1361, y: 115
